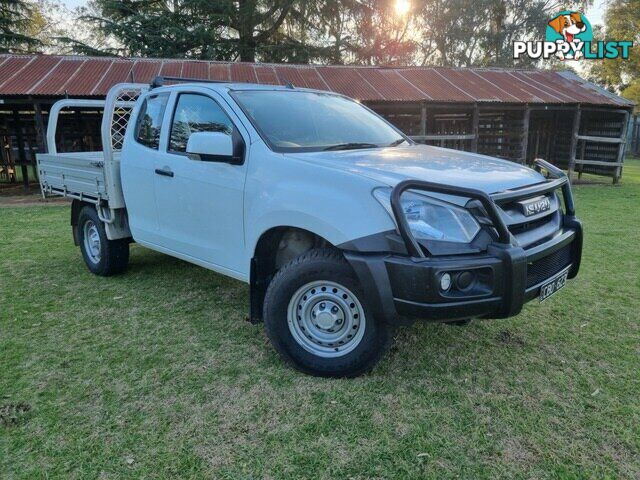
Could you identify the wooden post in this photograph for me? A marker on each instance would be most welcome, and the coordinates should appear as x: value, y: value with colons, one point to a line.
x: 22, y: 157
x: 77, y: 118
x: 574, y: 141
x: 621, y: 148
x: 581, y: 167
x: 41, y: 132
x: 636, y: 122
x: 423, y: 118
x: 4, y: 155
x: 636, y: 135
x: 635, y: 131
x: 525, y: 135
x: 4, y: 159
x: 475, y: 122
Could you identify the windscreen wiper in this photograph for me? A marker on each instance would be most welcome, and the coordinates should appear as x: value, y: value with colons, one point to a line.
x: 351, y: 146
x: 397, y: 142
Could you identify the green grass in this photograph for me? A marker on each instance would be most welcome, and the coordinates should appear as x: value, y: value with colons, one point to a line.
x: 156, y: 374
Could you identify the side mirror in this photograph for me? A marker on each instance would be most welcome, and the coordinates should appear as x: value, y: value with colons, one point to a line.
x: 211, y: 147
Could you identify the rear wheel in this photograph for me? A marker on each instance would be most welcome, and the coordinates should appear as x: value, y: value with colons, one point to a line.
x: 316, y: 317
x: 102, y: 256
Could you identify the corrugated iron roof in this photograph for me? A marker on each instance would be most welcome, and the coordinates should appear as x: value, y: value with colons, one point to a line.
x: 50, y: 75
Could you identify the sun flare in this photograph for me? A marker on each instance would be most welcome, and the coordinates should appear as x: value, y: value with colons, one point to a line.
x: 402, y: 7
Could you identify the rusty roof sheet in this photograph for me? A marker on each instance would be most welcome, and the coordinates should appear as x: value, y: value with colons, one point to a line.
x: 50, y: 75
x: 219, y: 71
x: 10, y: 66
x: 435, y: 83
x: 31, y: 74
x: 86, y: 77
x: 507, y: 83
x: 267, y: 74
x: 391, y: 85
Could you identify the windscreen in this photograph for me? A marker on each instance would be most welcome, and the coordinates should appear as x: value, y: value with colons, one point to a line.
x: 309, y: 121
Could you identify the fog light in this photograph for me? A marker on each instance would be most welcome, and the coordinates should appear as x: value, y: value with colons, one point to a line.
x: 465, y: 280
x: 445, y: 282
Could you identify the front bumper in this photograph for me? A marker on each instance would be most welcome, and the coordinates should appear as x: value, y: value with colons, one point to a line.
x: 400, y: 288
x: 497, y: 282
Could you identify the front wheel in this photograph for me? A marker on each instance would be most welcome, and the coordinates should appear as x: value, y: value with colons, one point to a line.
x: 316, y: 317
x: 102, y: 256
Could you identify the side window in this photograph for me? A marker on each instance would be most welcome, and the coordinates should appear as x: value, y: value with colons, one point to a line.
x: 196, y: 113
x: 150, y: 120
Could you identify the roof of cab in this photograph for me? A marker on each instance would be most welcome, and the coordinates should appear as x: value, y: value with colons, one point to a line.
x: 235, y: 86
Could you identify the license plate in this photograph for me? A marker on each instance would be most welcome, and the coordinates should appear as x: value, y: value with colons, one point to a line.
x: 553, y: 285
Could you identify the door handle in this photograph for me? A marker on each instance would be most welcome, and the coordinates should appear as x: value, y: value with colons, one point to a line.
x: 164, y: 173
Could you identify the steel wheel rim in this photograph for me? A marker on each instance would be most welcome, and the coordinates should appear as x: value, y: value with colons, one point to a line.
x: 92, y: 244
x: 326, y: 319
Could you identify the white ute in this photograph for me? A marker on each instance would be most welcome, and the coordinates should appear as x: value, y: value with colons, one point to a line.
x: 343, y: 227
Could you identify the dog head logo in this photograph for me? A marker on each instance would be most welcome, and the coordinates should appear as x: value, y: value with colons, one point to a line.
x: 570, y: 27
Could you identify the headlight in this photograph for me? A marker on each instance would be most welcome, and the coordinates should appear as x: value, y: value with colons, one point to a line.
x: 432, y: 219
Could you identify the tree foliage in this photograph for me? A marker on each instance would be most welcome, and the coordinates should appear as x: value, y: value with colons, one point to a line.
x: 360, y: 32
x: 622, y: 22
x: 482, y: 32
x: 202, y: 29
x: 377, y: 35
x: 17, y: 19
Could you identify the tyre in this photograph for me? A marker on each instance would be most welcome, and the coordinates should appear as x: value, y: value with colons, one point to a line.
x: 102, y: 256
x: 316, y: 317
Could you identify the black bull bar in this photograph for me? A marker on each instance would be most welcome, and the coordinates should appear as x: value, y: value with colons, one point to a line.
x: 556, y: 179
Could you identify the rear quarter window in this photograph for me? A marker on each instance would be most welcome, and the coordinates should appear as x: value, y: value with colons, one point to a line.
x: 149, y: 123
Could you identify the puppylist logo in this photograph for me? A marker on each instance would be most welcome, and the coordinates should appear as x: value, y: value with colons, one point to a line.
x: 569, y: 37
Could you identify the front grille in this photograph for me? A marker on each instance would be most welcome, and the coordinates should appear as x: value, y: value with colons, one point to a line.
x: 531, y: 231
x: 525, y: 227
x: 546, y: 267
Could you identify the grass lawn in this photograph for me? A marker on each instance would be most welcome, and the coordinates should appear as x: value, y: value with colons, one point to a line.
x: 156, y: 374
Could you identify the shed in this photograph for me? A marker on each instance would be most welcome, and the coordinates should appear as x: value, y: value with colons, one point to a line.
x: 513, y: 114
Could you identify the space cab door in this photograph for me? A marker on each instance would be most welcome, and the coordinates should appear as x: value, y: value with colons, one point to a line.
x: 140, y: 154
x: 200, y: 202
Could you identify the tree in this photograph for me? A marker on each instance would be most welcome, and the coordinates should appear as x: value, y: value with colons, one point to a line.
x: 358, y: 32
x: 378, y: 35
x: 450, y: 31
x: 203, y: 29
x: 16, y: 22
x: 300, y: 39
x: 324, y: 31
x: 481, y: 32
x: 511, y: 20
x: 622, y: 22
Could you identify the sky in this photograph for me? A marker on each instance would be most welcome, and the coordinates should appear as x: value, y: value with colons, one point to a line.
x: 595, y: 14
x: 71, y: 4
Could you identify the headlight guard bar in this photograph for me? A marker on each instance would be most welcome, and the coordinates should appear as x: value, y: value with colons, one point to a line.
x: 557, y: 179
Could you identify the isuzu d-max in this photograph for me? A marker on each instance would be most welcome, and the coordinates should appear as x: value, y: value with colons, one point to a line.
x: 343, y: 227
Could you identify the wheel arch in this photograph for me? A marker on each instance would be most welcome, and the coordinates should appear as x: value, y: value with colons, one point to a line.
x: 76, y: 208
x: 274, y: 248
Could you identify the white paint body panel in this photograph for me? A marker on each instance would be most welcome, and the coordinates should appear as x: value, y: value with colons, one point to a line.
x: 79, y: 172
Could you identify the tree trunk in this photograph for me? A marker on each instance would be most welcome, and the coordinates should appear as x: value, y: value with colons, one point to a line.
x: 246, y: 44
x: 247, y: 50
x: 441, y: 46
